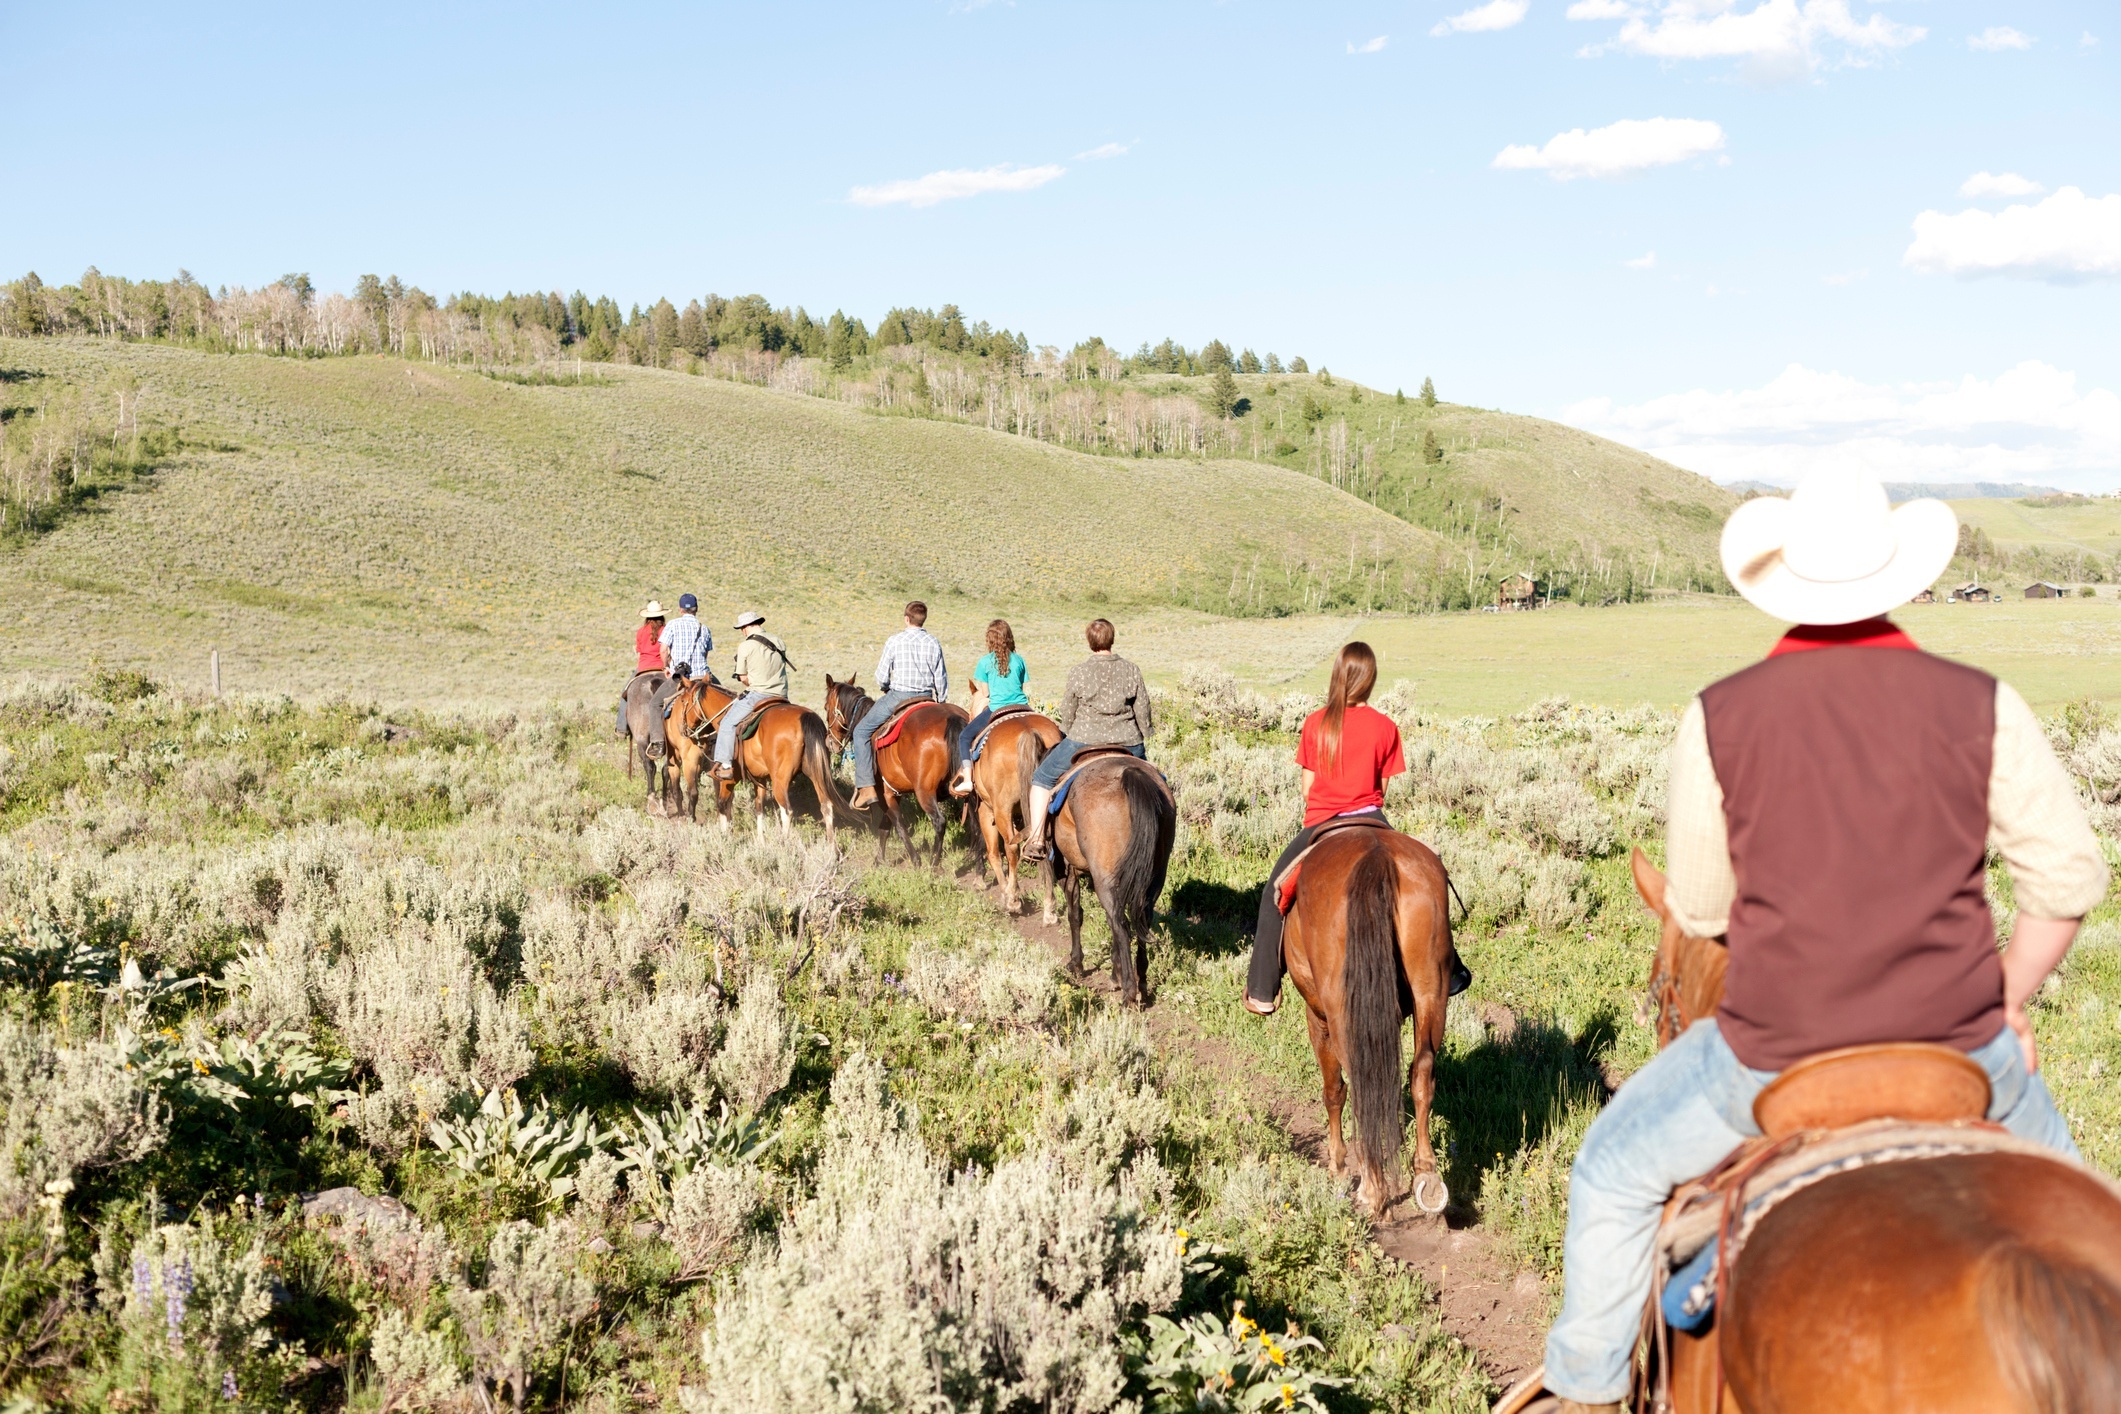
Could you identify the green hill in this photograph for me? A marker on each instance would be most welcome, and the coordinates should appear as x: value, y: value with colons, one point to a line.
x: 2091, y: 525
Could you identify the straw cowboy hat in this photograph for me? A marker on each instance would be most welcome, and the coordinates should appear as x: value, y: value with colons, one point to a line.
x: 654, y: 610
x: 749, y: 617
x: 1835, y: 551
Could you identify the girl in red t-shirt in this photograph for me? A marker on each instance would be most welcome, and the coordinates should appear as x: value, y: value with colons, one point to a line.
x: 1348, y: 751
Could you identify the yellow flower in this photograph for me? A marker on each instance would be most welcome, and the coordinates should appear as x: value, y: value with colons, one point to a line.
x: 1288, y: 1396
x: 1274, y: 1352
x: 198, y: 1065
x: 1182, y: 1236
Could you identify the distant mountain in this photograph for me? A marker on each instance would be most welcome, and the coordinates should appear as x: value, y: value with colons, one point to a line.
x: 1915, y: 490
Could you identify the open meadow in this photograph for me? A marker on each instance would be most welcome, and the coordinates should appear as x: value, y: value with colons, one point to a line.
x: 380, y: 1059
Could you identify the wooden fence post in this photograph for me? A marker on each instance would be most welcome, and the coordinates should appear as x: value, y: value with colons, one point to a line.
x: 214, y: 660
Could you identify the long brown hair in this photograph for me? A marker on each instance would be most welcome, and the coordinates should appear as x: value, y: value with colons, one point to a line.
x: 1354, y: 674
x: 1002, y: 644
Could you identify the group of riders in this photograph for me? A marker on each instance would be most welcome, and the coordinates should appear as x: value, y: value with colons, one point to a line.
x: 1830, y: 812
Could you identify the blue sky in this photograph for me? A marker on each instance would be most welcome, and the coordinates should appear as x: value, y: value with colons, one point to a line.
x: 1388, y: 189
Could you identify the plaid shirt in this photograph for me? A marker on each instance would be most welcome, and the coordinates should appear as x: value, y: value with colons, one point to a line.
x: 687, y: 640
x: 913, y: 662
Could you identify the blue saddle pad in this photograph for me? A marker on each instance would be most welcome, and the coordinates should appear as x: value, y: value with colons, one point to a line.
x: 1067, y: 784
x: 1690, y: 1292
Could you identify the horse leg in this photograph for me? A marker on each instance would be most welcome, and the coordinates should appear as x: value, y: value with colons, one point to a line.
x: 1074, y: 888
x: 1121, y: 924
x: 932, y: 807
x: 1336, y: 1092
x: 891, y: 801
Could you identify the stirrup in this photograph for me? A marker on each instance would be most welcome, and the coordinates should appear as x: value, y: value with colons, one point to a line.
x: 1033, y: 850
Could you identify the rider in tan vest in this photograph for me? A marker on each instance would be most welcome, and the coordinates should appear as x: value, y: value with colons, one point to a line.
x: 1830, y: 811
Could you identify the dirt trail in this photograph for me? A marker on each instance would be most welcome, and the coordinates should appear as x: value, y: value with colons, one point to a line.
x: 1486, y: 1302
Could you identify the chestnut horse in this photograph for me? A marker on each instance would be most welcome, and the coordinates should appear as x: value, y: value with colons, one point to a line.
x: 790, y: 739
x: 1368, y: 943
x: 1115, y: 828
x: 999, y: 790
x: 1986, y: 1281
x: 699, y: 704
x: 918, y: 763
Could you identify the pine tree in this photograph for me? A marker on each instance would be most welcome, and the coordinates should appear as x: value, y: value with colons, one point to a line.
x: 1325, y: 377
x: 1399, y: 395
x: 1248, y: 362
x: 1297, y: 365
x: 1222, y: 392
x: 1215, y: 356
x: 1430, y: 451
x: 1274, y: 363
x: 1428, y: 392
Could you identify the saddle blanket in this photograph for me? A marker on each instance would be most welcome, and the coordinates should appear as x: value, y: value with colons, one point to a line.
x: 1285, y: 885
x: 889, y: 732
x: 749, y: 728
x: 1689, y: 1244
x: 1001, y: 715
x: 1067, y: 782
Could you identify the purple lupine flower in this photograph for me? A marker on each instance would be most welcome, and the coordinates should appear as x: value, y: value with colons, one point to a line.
x: 228, y: 1385
x: 143, y: 1279
x: 176, y: 1286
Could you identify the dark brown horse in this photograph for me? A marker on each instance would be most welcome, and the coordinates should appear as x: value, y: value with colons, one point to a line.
x: 998, y: 793
x: 1116, y: 829
x: 1985, y: 1281
x: 918, y: 763
x: 1368, y: 943
x: 644, y: 737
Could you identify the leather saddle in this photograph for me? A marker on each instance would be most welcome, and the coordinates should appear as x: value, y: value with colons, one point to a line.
x: 1285, y: 883
x: 1001, y: 714
x: 896, y: 723
x: 1090, y: 756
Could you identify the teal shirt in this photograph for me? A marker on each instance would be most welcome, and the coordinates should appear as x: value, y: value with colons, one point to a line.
x: 1003, y: 689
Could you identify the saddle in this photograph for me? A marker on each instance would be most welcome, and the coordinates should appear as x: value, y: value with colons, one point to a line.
x: 1285, y: 882
x: 896, y: 723
x: 749, y: 728
x: 1001, y: 714
x: 1087, y: 756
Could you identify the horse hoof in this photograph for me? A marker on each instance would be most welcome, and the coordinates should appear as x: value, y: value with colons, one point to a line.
x: 1430, y: 1195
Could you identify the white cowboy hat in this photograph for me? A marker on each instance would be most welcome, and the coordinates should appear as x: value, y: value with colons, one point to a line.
x: 654, y: 610
x: 1835, y: 551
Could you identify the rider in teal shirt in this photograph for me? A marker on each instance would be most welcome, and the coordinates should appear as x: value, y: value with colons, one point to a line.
x: 997, y: 682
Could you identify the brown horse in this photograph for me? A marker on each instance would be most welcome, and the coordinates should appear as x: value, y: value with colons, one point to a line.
x: 1368, y: 943
x: 1985, y: 1281
x: 790, y: 739
x: 1115, y: 828
x: 644, y: 737
x: 918, y: 763
x: 998, y: 793
x: 695, y: 710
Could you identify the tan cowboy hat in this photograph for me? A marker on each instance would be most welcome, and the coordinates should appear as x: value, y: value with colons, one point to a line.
x: 749, y: 617
x: 654, y: 610
x: 1835, y: 551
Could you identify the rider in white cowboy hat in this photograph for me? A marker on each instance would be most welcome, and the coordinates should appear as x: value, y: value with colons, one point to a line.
x: 762, y: 666
x: 1829, y: 812
x: 647, y: 652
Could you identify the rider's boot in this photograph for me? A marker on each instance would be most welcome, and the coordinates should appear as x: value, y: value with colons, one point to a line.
x: 723, y: 771
x: 1034, y: 846
x: 864, y: 797
x: 961, y: 783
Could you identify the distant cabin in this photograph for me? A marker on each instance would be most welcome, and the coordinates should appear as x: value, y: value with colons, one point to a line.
x: 2041, y: 589
x: 1973, y: 594
x: 1927, y: 596
x: 1517, y: 591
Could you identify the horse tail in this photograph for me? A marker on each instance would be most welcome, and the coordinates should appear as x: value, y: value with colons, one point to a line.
x: 817, y: 764
x: 2051, y: 1324
x: 1139, y: 876
x: 1370, y: 982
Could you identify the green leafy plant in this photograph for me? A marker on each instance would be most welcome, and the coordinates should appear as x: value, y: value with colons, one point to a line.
x: 38, y: 955
x: 665, y: 1147
x: 1202, y: 1363
x: 505, y: 1144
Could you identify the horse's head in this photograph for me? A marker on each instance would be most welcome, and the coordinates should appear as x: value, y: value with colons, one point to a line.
x: 1686, y: 982
x: 844, y: 705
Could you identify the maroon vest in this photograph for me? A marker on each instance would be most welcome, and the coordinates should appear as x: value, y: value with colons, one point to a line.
x: 1855, y: 786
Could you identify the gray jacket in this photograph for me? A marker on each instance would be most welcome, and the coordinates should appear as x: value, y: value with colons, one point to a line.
x: 1106, y: 703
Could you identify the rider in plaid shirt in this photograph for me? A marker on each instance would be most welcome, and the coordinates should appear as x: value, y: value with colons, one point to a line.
x: 910, y: 670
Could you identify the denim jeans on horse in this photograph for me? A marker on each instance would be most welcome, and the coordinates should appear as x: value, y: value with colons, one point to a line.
x: 969, y: 737
x: 1674, y: 1120
x: 871, y: 723
x: 725, y: 731
x: 1063, y: 756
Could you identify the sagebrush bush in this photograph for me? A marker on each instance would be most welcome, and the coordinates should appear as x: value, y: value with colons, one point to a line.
x: 66, y: 1109
x: 516, y: 1311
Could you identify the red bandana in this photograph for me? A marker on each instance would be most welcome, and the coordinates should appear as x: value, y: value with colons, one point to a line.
x: 1870, y: 633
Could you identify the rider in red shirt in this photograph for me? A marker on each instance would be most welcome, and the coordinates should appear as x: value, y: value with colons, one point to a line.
x: 647, y: 653
x: 1348, y: 750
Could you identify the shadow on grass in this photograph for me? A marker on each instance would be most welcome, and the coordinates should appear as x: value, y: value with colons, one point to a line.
x: 1506, y: 1094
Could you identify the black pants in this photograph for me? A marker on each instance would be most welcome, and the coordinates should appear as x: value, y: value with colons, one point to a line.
x: 1263, y: 982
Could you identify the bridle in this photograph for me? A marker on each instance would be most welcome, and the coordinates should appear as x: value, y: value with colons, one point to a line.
x: 704, y: 728
x: 839, y: 719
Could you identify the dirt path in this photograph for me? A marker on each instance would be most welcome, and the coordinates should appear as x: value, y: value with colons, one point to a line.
x: 1486, y: 1302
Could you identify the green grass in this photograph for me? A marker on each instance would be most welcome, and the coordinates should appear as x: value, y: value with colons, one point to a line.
x: 2093, y: 526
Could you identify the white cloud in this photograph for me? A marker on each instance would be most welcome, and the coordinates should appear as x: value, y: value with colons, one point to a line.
x: 1368, y: 46
x: 2088, y: 40
x: 2030, y: 423
x: 1999, y: 184
x: 1642, y: 262
x: 1496, y: 14
x: 954, y: 184
x: 2066, y: 238
x: 1777, y: 39
x: 1101, y: 152
x: 1999, y: 37
x: 1617, y: 149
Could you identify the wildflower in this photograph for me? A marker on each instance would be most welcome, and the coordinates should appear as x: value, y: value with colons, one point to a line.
x: 1288, y: 1396
x: 198, y: 1065
x: 228, y: 1385
x: 143, y: 1278
x: 176, y: 1286
x: 1273, y: 1352
x: 1183, y: 1235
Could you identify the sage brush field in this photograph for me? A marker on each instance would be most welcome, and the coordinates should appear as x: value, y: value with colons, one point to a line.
x: 387, y: 1061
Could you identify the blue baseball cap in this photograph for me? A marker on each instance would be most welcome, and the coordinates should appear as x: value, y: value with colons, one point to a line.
x: 688, y: 603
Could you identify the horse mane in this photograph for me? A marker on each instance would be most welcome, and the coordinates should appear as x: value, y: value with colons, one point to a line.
x: 2051, y: 1321
x: 1370, y: 981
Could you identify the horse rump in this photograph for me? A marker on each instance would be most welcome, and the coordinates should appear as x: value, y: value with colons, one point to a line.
x: 1370, y: 984
x: 2054, y: 1325
x: 1139, y: 876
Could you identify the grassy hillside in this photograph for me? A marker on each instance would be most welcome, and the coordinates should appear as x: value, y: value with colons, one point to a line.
x: 2089, y: 525
x: 395, y: 527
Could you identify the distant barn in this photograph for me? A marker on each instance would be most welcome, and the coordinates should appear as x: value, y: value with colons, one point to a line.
x: 1927, y: 596
x: 2041, y: 589
x: 1517, y: 591
x: 1973, y: 594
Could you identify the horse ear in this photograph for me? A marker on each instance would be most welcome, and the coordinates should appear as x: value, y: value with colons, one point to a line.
x: 1648, y: 881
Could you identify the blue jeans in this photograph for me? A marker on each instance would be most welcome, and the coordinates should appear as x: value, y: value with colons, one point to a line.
x: 1672, y: 1121
x: 967, y: 738
x: 871, y: 723
x: 1061, y: 757
x: 732, y: 720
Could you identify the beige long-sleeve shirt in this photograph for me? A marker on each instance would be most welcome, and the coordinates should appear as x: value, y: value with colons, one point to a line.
x: 2035, y: 823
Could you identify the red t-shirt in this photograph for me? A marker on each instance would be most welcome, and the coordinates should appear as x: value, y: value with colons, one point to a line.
x: 648, y: 649
x: 1369, y: 756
